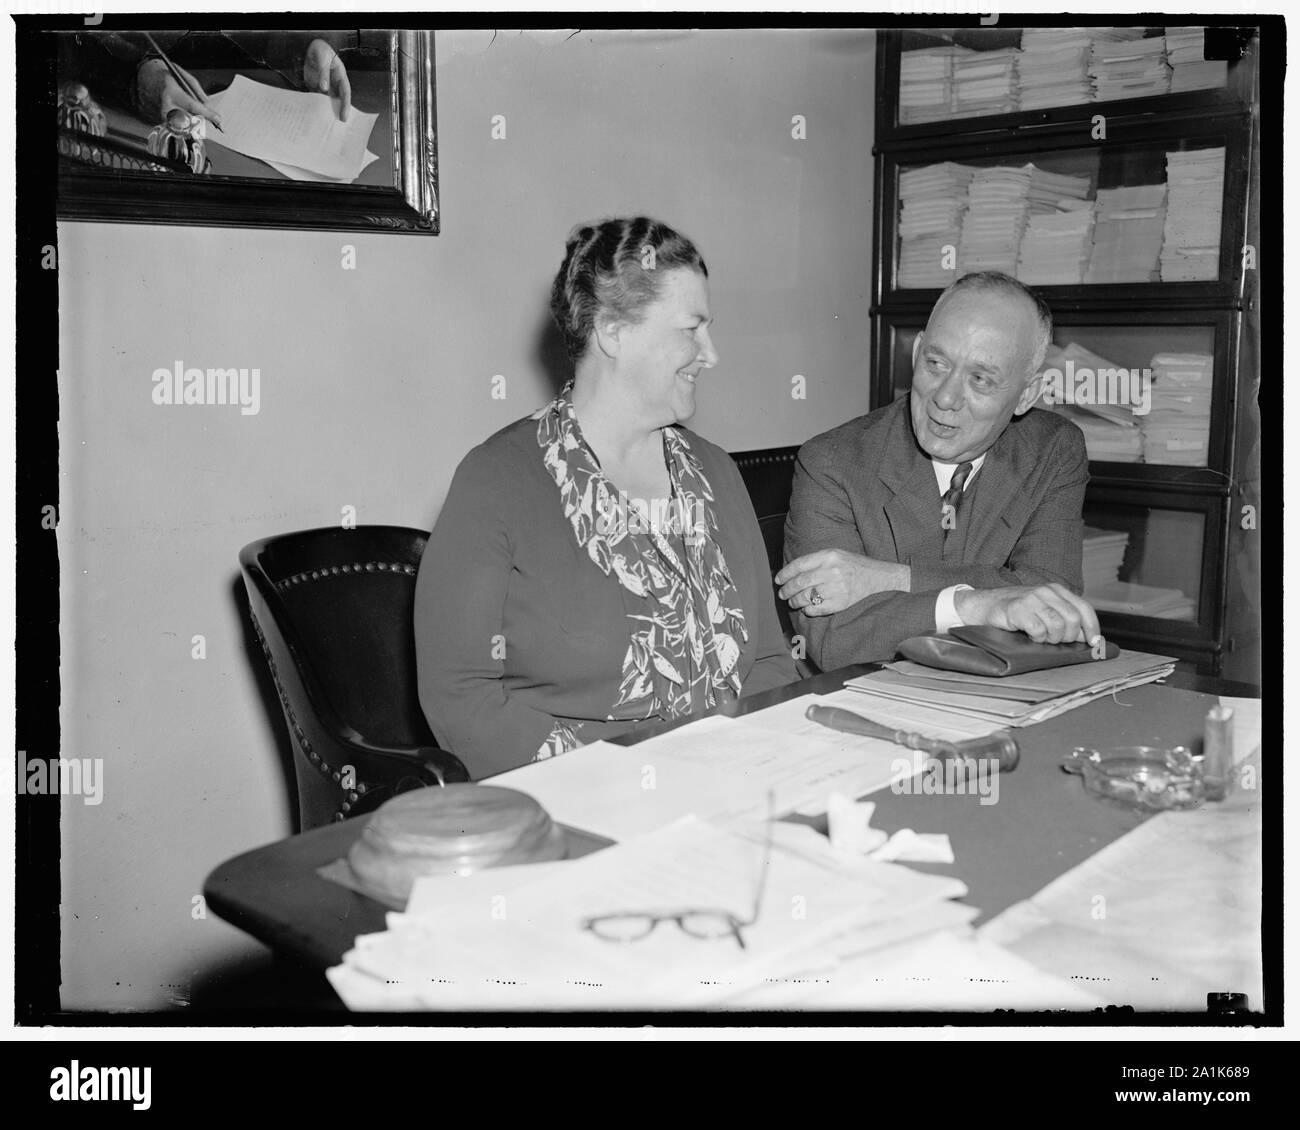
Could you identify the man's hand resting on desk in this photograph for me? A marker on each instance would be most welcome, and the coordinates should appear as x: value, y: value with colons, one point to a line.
x: 1045, y: 613
x: 832, y: 580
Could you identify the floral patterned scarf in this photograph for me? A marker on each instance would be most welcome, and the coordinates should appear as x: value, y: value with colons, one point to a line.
x: 684, y: 641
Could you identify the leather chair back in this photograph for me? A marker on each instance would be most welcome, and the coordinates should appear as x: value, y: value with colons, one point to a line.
x: 333, y: 610
x: 769, y: 476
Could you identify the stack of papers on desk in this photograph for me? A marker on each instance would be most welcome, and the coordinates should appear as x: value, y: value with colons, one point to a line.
x: 1053, y: 67
x: 932, y: 203
x: 1185, y: 47
x: 1012, y: 700
x: 1193, y: 220
x: 712, y: 768
x: 518, y: 941
x: 1128, y: 235
x: 1177, y: 429
x: 297, y: 133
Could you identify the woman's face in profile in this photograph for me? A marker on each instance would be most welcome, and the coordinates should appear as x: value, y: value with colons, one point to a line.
x: 663, y: 355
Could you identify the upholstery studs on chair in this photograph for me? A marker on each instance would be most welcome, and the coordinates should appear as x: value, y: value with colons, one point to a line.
x: 339, y: 818
x: 290, y: 621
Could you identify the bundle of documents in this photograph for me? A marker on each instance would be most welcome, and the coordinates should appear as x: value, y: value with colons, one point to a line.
x: 1106, y: 441
x: 933, y: 200
x: 925, y: 84
x: 1013, y: 700
x: 1194, y: 217
x: 713, y: 768
x: 995, y: 221
x: 1057, y: 241
x: 1185, y: 47
x: 1128, y: 235
x: 1177, y: 430
x: 1088, y: 390
x: 1053, y: 67
x: 1103, y: 557
x: 984, y: 82
x: 524, y: 937
x: 1123, y: 65
x: 1143, y: 600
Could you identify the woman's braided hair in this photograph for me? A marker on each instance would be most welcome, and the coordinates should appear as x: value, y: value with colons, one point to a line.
x: 612, y: 270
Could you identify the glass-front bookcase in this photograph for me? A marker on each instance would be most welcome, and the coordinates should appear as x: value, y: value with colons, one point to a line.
x: 1114, y: 171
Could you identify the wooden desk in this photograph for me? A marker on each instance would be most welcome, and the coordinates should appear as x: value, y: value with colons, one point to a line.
x: 1042, y: 825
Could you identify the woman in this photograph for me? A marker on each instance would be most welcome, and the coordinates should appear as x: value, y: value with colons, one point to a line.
x: 596, y: 564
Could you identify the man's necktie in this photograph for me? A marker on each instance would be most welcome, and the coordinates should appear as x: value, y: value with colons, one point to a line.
x: 952, y: 497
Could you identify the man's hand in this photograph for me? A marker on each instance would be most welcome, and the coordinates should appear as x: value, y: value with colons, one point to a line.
x: 158, y: 94
x: 1045, y: 613
x: 832, y: 580
x: 323, y: 71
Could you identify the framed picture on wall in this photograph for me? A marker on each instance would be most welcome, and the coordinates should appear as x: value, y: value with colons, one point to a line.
x: 280, y: 129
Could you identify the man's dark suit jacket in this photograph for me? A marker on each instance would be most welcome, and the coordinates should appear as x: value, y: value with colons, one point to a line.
x: 869, y: 488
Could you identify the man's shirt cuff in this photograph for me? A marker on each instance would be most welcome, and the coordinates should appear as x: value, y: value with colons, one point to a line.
x: 945, y: 609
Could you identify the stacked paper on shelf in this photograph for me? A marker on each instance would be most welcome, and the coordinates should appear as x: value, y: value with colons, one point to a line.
x: 1142, y: 600
x: 1177, y: 430
x: 1103, y: 556
x: 1185, y: 47
x: 1129, y: 67
x: 1106, y: 442
x: 995, y: 221
x: 531, y: 937
x: 1012, y: 700
x: 1194, y: 216
x: 1057, y: 242
x: 925, y: 83
x: 933, y: 201
x: 1128, y: 234
x: 1053, y: 67
x: 984, y: 82
x: 1099, y: 397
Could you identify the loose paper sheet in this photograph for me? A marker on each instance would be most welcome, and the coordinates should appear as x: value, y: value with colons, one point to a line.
x: 293, y: 128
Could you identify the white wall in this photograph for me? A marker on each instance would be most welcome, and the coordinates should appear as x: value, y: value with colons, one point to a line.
x: 374, y: 384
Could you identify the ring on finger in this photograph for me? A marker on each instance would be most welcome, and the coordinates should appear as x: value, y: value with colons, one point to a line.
x: 814, y: 597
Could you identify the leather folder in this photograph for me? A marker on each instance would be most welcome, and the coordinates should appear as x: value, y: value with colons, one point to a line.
x: 981, y: 650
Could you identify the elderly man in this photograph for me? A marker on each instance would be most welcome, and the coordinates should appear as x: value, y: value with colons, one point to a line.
x: 957, y: 505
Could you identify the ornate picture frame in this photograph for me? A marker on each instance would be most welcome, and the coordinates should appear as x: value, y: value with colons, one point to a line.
x: 110, y: 187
